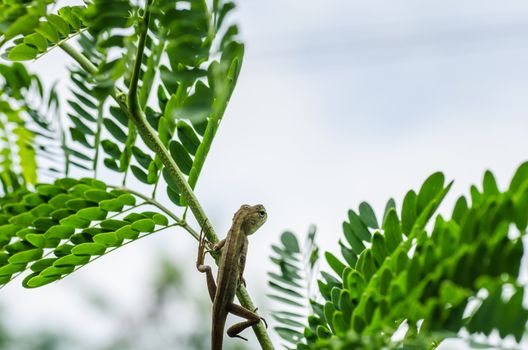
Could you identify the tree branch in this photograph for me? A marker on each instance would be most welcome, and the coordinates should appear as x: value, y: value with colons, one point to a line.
x: 83, y: 61
x: 129, y: 103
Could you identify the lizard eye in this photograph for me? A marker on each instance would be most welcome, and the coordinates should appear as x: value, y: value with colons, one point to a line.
x: 262, y: 213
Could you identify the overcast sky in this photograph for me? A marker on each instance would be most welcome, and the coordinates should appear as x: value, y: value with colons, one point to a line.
x: 338, y: 102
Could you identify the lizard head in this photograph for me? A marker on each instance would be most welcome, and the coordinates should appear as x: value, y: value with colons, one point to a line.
x: 252, y: 216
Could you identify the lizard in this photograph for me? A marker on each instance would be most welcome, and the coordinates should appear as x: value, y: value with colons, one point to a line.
x: 246, y: 221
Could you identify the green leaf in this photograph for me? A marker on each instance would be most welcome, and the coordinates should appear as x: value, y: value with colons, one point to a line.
x: 10, y: 269
x: 56, y: 272
x: 59, y: 231
x: 49, y: 190
x: 22, y: 52
x: 358, y: 227
x: 144, y: 225
x: 127, y: 199
x: 24, y: 219
x: 290, y: 242
x: 409, y: 212
x: 111, y: 149
x: 126, y: 232
x: 71, y: 260
x: 75, y: 221
x: 72, y: 16
x: 160, y: 219
x: 355, y: 243
x: 391, y: 227
x: 39, y: 281
x: 366, y: 213
x: 81, y: 111
x: 110, y: 205
x: 115, y: 130
x: 26, y: 256
x: 60, y: 214
x: 379, y: 248
x: 334, y: 263
x: 22, y: 25
x: 139, y: 174
x: 432, y: 186
x: 489, y: 184
x: 170, y: 182
x: 42, y: 210
x: 92, y: 214
x: 78, y: 204
x: 519, y: 178
x: 48, y: 31
x: 88, y: 249
x: 9, y: 230
x: 37, y: 41
x: 187, y: 137
x: 42, y: 264
x: 112, y: 224
x: 181, y: 157
x: 60, y: 24
x: 284, y: 300
x: 109, y: 239
x: 143, y: 159
x: 37, y: 240
x: 97, y: 195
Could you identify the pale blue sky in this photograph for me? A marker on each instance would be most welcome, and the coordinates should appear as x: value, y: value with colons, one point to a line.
x: 338, y: 102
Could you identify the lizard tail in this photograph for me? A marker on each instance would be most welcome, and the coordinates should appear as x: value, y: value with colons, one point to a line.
x: 217, y: 334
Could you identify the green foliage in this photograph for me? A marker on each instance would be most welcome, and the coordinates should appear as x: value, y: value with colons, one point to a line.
x: 461, y: 273
x: 20, y: 17
x: 292, y: 286
x: 62, y: 226
x: 38, y: 37
x: 85, y: 111
x: 203, y: 62
x: 195, y: 88
x: 192, y: 96
x: 27, y: 136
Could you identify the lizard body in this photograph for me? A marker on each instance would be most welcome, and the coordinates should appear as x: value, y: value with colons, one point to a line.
x: 246, y: 221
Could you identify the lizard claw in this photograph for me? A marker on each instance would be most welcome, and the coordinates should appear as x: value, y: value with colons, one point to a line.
x: 242, y: 281
x: 264, y: 320
x: 261, y: 318
x: 239, y: 336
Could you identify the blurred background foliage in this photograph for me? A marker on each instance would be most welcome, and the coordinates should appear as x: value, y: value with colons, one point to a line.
x: 147, y: 326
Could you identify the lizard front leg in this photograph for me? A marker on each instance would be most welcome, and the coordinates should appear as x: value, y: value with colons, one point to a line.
x: 219, y: 245
x: 211, y: 284
x: 252, y: 319
x: 242, y: 262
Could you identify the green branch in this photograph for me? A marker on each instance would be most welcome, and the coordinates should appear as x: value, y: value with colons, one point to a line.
x: 81, y: 59
x: 129, y: 103
x: 149, y: 135
x: 164, y: 209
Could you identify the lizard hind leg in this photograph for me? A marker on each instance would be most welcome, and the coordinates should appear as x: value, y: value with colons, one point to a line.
x: 200, y: 265
x: 201, y: 253
x: 251, y: 319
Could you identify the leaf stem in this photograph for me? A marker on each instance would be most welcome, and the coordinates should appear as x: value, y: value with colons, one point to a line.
x: 164, y: 209
x: 97, y: 142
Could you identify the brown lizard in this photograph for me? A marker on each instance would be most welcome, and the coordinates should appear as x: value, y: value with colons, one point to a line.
x: 246, y: 221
